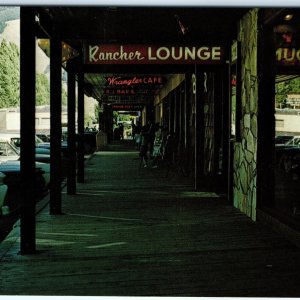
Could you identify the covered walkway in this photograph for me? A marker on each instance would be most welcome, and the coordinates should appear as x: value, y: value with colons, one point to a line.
x: 131, y: 231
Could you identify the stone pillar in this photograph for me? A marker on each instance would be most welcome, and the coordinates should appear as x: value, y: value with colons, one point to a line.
x: 245, y: 151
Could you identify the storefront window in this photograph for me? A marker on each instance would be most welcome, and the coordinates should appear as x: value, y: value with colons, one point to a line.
x: 287, y: 146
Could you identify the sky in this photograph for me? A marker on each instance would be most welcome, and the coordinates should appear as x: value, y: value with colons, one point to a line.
x: 165, y: 3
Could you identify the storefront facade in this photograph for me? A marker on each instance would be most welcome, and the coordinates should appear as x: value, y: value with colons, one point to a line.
x: 217, y: 100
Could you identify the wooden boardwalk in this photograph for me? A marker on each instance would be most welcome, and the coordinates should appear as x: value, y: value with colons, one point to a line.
x: 131, y: 232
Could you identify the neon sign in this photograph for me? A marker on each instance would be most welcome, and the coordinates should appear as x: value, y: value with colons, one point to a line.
x: 119, y: 92
x: 131, y: 81
x: 148, y: 54
x: 128, y: 107
x: 288, y: 56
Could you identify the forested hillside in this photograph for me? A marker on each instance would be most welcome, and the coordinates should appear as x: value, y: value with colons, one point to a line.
x: 10, y: 63
x: 8, y: 13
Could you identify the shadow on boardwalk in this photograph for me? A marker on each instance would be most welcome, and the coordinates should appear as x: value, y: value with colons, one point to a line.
x: 131, y: 232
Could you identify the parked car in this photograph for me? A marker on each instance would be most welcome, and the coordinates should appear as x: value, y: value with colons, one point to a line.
x: 12, y: 179
x: 283, y: 139
x: 3, y: 192
x: 288, y: 156
x: 294, y: 142
x: 9, y: 152
x: 10, y: 156
x: 89, y: 143
x: 14, y: 138
x: 7, y: 216
x: 44, y: 137
x: 46, y: 147
x: 11, y: 193
x: 16, y: 166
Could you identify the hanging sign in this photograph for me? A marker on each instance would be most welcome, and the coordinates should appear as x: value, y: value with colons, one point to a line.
x: 286, y: 38
x: 124, y: 91
x: 148, y: 54
x: 127, y: 107
x: 135, y: 81
x: 119, y: 92
x: 288, y: 57
x: 234, y: 51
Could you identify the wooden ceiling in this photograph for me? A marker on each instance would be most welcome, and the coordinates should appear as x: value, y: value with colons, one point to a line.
x: 142, y: 24
x: 136, y: 25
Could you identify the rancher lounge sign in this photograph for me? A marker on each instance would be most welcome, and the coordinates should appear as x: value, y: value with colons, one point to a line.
x: 147, y: 54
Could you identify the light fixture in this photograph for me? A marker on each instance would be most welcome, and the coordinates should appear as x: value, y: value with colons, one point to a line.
x: 288, y: 17
x: 67, y: 51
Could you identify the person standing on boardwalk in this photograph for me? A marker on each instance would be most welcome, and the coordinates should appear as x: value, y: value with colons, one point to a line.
x: 121, y: 130
x: 133, y: 129
x: 137, y: 136
x: 145, y: 142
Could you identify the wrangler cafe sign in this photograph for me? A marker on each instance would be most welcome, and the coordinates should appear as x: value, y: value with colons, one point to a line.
x: 148, y: 54
x: 135, y: 81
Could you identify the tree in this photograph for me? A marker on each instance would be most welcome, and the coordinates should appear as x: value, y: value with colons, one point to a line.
x: 10, y: 79
x: 64, y: 97
x: 9, y: 74
x: 42, y: 90
x: 285, y: 88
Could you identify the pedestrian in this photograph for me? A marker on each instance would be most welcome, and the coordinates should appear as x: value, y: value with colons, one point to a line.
x: 121, y: 131
x: 133, y: 129
x: 153, y: 127
x: 137, y: 135
x: 117, y: 134
x: 145, y: 141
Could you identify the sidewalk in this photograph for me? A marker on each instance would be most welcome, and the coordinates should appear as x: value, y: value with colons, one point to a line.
x: 132, y: 232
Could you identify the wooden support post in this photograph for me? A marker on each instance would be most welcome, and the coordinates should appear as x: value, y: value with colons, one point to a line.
x: 196, y: 133
x: 71, y: 175
x: 187, y: 119
x: 225, y: 140
x: 175, y: 113
x: 80, y: 154
x: 181, y: 120
x: 199, y: 129
x: 171, y: 106
x: 266, y: 118
x: 186, y: 112
x: 27, y: 108
x: 55, y: 125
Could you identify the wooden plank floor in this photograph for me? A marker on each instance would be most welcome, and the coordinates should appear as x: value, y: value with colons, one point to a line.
x: 131, y: 232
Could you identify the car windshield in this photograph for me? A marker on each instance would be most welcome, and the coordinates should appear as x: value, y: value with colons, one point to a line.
x: 7, y: 149
x: 16, y: 141
x: 295, y: 141
x: 280, y: 139
x: 38, y: 140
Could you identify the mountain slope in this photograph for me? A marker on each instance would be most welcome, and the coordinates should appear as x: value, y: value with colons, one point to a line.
x: 12, y: 34
x: 8, y: 13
